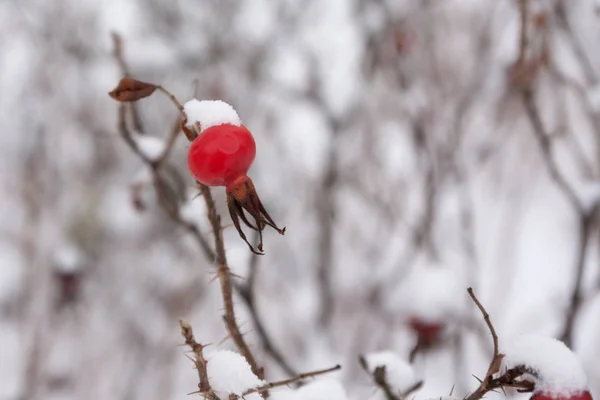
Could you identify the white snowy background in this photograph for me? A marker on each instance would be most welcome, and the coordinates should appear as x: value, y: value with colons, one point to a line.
x: 390, y: 142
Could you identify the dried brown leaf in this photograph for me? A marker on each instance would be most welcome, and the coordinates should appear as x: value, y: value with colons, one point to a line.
x: 130, y: 89
x: 189, y: 134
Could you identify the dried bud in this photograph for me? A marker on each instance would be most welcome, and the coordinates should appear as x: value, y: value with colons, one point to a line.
x: 189, y: 134
x: 130, y: 89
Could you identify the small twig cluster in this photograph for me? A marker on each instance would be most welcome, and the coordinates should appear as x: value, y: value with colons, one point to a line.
x: 494, y: 379
x: 380, y: 380
x: 529, y: 64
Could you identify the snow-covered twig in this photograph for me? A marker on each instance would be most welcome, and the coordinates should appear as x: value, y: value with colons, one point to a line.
x: 297, y: 378
x: 200, y: 361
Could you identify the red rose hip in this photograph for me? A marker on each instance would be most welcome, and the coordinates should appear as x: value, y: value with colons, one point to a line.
x: 220, y: 154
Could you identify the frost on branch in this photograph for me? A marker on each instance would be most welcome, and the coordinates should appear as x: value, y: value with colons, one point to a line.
x: 210, y: 113
x: 551, y: 366
x: 230, y: 373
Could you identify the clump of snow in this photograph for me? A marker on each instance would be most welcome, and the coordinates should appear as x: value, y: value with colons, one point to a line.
x: 398, y: 373
x: 432, y: 294
x: 210, y: 113
x: 229, y: 373
x: 68, y: 259
x: 322, y: 389
x: 151, y: 146
x: 556, y: 370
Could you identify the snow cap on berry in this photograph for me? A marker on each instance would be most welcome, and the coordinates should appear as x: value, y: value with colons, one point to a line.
x: 210, y: 113
x: 555, y: 369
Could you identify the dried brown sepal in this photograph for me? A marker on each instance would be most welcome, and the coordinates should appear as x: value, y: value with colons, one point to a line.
x: 189, y: 134
x: 130, y: 89
x: 241, y: 198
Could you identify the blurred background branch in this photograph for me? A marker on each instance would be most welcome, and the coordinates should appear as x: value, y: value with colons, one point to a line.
x: 412, y: 149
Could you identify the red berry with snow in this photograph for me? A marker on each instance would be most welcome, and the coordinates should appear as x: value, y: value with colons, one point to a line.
x: 562, y: 396
x: 220, y: 154
x: 553, y: 370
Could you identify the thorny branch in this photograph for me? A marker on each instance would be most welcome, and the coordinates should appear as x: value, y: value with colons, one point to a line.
x: 509, y: 378
x: 486, y: 317
x: 226, y: 285
x: 299, y: 377
x: 246, y: 291
x: 200, y: 361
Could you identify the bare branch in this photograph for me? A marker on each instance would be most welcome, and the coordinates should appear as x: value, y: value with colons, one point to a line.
x: 200, y: 361
x: 161, y: 186
x: 120, y: 58
x: 545, y: 146
x: 576, y: 298
x: 585, y: 217
x: 509, y: 378
x: 247, y: 292
x: 226, y: 285
x: 297, y: 378
x: 487, y: 320
x: 580, y: 54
